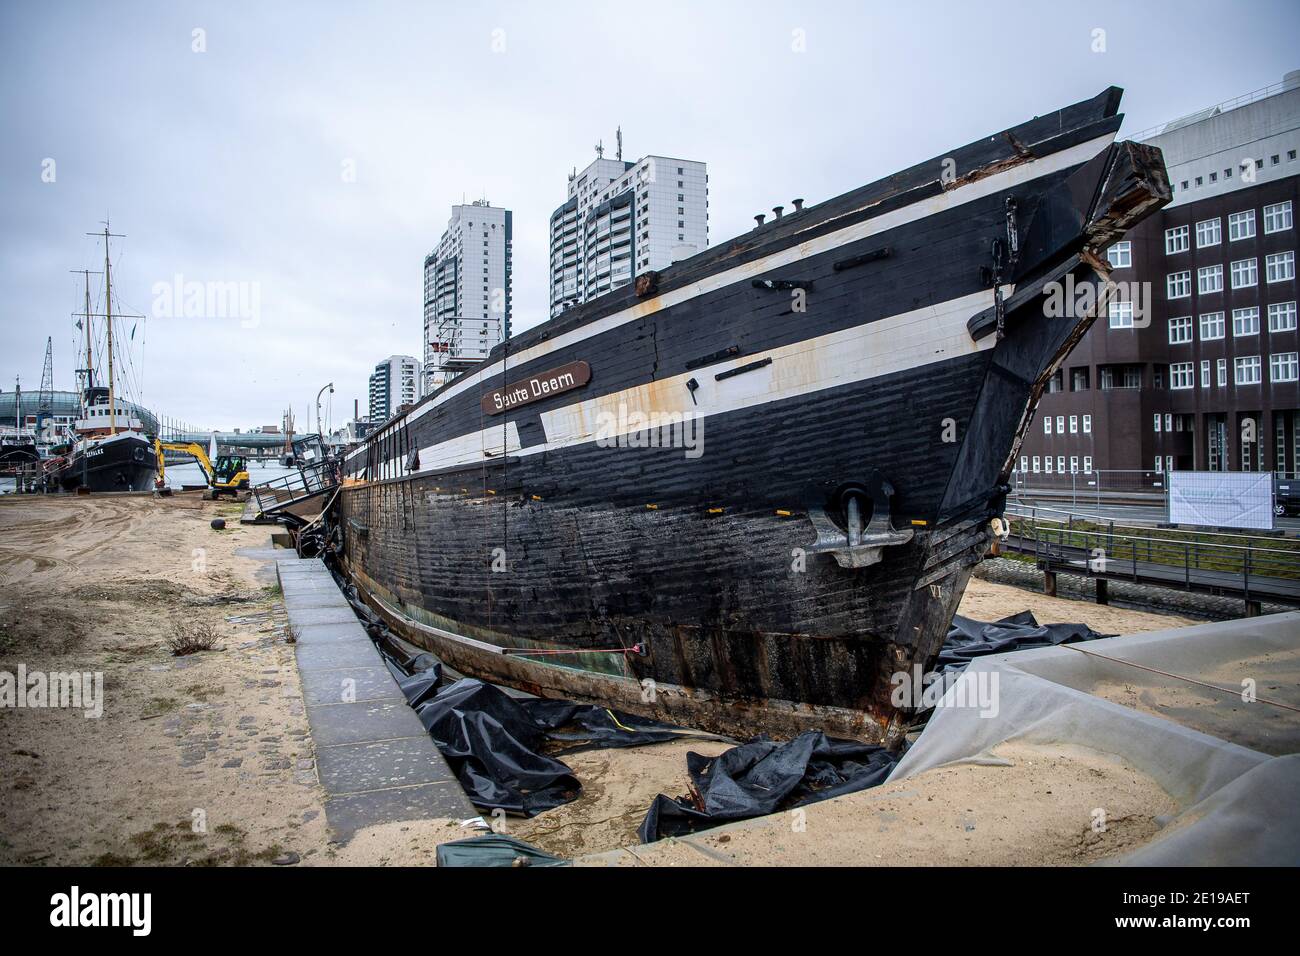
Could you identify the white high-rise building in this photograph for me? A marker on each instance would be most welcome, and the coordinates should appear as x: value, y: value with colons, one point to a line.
x: 467, y: 291
x: 396, y: 381
x: 622, y: 219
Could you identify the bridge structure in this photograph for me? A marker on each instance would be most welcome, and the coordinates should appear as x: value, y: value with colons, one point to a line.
x: 255, y: 445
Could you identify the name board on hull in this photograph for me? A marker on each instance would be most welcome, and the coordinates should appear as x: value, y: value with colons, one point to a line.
x: 536, y: 387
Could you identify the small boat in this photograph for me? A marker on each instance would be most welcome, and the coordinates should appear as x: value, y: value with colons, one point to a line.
x: 746, y: 493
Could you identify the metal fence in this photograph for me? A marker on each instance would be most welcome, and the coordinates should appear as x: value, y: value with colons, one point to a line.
x: 1213, y: 562
x: 310, y: 478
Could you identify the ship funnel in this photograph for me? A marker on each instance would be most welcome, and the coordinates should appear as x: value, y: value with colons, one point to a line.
x: 777, y: 210
x: 759, y: 219
x: 798, y: 204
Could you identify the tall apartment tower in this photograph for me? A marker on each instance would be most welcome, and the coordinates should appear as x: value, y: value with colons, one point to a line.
x: 622, y: 219
x: 467, y: 291
x: 396, y: 381
x: 1195, y: 367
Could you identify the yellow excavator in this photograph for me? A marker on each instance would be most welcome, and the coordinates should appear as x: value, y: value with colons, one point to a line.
x: 228, y: 475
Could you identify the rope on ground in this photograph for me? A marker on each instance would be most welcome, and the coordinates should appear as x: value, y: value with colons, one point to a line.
x: 1190, y: 680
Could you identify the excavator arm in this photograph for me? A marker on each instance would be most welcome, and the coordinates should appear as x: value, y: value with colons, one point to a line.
x: 228, y: 476
x: 193, y: 449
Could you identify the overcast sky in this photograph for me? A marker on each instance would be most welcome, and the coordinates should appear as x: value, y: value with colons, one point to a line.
x: 312, y: 151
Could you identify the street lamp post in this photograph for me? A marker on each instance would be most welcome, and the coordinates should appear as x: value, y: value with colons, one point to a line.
x: 320, y: 434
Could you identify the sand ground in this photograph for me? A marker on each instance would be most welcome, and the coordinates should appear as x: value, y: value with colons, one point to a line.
x: 1036, y: 806
x: 207, y: 758
x: 203, y: 759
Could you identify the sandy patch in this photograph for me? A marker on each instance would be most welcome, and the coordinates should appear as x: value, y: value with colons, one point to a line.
x: 1037, y: 807
x: 203, y: 759
x: 987, y: 601
x: 618, y: 787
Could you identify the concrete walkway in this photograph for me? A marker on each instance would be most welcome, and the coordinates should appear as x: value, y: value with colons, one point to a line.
x: 375, y: 759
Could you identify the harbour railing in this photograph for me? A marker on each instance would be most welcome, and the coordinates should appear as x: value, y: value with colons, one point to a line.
x: 1237, y: 565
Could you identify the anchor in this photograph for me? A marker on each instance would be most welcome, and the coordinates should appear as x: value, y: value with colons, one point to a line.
x: 858, y: 545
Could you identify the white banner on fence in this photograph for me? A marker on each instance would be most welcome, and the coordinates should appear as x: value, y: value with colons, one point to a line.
x: 1222, y: 499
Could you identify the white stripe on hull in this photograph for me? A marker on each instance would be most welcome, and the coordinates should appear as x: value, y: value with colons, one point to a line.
x: 895, y: 344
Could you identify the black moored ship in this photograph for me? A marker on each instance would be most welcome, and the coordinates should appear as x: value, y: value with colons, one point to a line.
x: 108, y: 449
x: 110, y: 452
x: 853, y: 381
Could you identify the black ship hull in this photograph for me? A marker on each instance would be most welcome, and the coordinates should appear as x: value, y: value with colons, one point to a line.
x: 122, y: 462
x: 748, y: 493
x: 18, y: 456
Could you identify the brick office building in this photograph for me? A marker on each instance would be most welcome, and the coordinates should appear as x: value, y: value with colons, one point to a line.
x: 1195, y: 367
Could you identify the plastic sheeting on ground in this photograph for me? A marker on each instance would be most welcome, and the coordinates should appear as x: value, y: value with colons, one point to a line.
x: 492, y: 742
x: 494, y: 850
x: 764, y: 776
x: 1236, y: 804
x: 968, y: 639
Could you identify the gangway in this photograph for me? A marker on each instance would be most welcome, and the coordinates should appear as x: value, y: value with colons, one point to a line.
x: 300, y: 495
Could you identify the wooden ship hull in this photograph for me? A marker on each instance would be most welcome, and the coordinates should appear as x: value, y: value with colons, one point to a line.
x: 852, y: 383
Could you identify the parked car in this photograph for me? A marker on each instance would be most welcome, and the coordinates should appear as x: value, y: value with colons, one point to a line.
x: 1286, y: 496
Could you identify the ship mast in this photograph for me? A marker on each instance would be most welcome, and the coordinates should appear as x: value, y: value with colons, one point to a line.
x: 108, y: 318
x: 86, y: 316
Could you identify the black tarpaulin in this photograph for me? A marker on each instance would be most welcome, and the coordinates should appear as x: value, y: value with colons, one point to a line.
x: 493, y: 741
x: 764, y: 776
x: 968, y: 639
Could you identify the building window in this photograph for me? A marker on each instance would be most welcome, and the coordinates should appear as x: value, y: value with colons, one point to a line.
x: 1178, y: 285
x: 1181, y: 375
x: 1245, y: 321
x: 1284, y: 367
x: 1180, y: 330
x: 1060, y: 464
x: 1247, y: 370
x: 1024, y: 464
x: 1177, y: 240
x: 1060, y: 424
x: 1211, y: 325
x: 1047, y: 425
x: 1221, y: 372
x: 1160, y: 465
x: 1245, y: 272
x: 1282, y: 317
x: 1209, y: 279
x: 1121, y: 314
x: 1277, y: 217
x: 1208, y: 233
x: 1280, y: 266
x: 1074, y: 424
x: 1121, y: 254
x: 1157, y: 423
x: 1079, y: 380
x: 1087, y: 464
x: 1205, y: 373
x: 1037, y: 462
x: 1087, y: 424
x: 1074, y: 464
x: 1241, y: 225
x: 1047, y: 464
